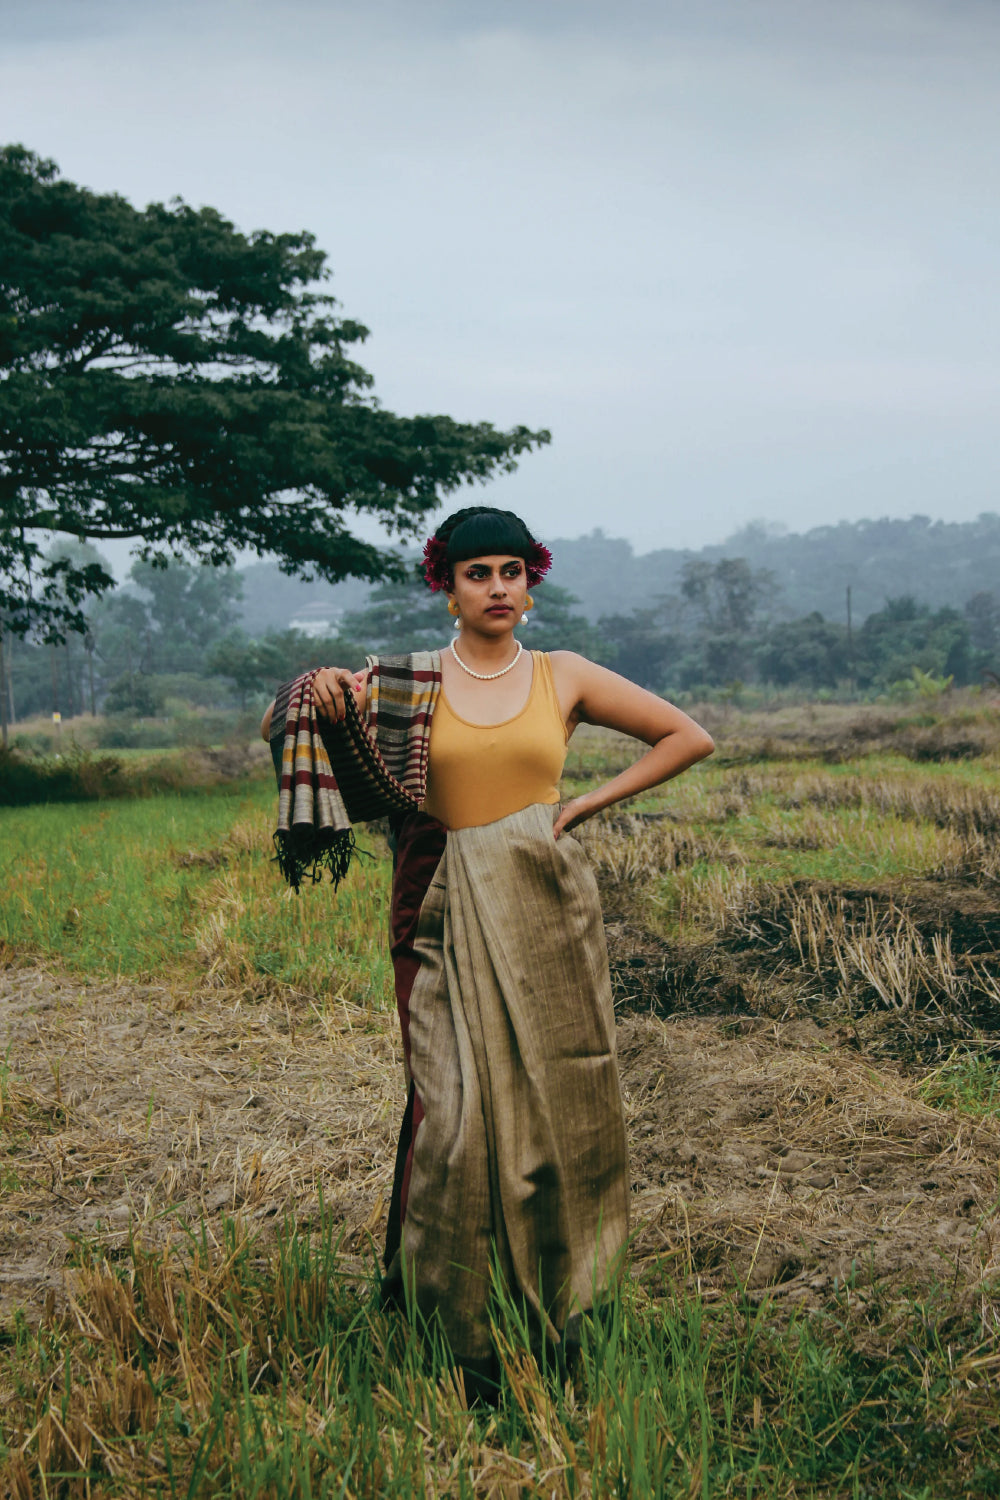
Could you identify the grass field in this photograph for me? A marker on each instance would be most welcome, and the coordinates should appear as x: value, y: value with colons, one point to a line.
x: 201, y: 1087
x: 182, y: 885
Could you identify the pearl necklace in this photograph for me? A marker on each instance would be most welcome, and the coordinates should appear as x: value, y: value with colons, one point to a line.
x: 489, y: 676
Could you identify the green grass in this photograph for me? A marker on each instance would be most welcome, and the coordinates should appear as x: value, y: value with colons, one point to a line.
x: 183, y: 886
x: 968, y: 1082
x: 216, y: 1371
x: 182, y: 883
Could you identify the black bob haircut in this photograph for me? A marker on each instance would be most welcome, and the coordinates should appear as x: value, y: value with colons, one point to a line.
x: 482, y: 531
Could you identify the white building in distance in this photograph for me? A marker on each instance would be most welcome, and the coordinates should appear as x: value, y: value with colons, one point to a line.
x: 316, y: 619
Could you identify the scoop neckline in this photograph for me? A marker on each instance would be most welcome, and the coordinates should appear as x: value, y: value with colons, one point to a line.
x: 499, y: 723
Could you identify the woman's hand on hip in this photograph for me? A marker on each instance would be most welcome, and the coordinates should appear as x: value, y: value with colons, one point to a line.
x: 573, y: 813
x: 329, y: 687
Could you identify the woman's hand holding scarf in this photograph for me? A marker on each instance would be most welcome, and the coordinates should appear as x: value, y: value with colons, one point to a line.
x: 329, y: 687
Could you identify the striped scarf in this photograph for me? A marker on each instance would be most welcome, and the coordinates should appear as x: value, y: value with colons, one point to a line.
x: 331, y: 776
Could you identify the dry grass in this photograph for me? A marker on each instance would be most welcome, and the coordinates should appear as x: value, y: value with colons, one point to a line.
x: 141, y: 1108
x: 162, y: 1144
x: 960, y: 725
x: 960, y: 804
x: 769, y: 1153
x: 131, y: 1115
x: 793, y: 947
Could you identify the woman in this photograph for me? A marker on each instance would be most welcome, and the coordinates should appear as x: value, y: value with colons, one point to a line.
x: 513, y: 1149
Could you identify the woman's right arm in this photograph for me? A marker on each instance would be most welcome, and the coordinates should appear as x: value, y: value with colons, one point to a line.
x: 329, y: 687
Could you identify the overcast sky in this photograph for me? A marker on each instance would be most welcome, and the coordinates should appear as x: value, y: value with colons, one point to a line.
x: 741, y: 258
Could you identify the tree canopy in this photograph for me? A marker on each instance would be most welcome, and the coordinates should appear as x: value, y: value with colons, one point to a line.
x: 166, y: 378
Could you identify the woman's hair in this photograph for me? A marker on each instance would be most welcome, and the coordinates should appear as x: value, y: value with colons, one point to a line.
x: 482, y: 531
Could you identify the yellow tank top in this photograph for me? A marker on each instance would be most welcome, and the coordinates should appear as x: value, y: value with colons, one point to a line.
x: 477, y: 773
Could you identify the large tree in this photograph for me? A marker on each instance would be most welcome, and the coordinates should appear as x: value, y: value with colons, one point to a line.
x: 725, y: 595
x: 166, y: 378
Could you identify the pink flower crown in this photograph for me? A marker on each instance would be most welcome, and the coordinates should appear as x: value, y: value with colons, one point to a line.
x: 437, y: 569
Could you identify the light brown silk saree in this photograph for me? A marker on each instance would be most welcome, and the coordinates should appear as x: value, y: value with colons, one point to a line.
x: 516, y: 1147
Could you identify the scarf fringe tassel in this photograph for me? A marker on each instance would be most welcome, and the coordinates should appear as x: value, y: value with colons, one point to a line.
x: 303, y: 853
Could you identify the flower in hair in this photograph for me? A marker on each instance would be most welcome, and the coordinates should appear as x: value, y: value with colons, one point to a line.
x: 436, y: 569
x: 537, y: 563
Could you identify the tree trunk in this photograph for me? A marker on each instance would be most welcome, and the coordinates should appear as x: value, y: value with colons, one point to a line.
x: 3, y: 687
x: 12, y: 714
x: 70, y: 684
x: 90, y: 670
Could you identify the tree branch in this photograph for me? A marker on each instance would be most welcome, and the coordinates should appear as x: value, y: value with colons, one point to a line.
x: 52, y: 521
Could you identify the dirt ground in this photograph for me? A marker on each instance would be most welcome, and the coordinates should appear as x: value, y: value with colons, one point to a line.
x: 771, y: 1153
x: 766, y: 1152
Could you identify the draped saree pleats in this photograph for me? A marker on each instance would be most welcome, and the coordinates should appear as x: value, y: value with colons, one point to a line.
x: 516, y: 1141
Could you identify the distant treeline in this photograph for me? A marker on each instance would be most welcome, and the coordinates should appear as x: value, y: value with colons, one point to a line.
x: 182, y: 639
x: 719, y: 631
x: 938, y: 562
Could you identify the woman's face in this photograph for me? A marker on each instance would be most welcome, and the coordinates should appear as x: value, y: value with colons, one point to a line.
x: 489, y: 592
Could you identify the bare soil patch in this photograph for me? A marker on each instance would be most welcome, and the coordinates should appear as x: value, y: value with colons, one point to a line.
x: 768, y: 1152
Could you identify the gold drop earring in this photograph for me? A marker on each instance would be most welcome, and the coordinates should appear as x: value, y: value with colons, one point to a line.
x: 453, y: 609
x: 529, y: 603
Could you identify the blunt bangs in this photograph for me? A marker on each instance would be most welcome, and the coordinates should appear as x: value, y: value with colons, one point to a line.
x: 489, y: 534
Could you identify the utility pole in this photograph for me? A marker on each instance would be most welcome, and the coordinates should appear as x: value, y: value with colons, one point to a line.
x: 850, y: 642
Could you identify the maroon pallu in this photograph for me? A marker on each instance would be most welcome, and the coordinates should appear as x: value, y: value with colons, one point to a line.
x: 420, y: 845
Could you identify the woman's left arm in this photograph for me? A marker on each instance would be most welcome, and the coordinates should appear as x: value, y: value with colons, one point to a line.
x: 602, y: 697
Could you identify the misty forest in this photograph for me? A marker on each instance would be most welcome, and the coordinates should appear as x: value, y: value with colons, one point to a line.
x: 177, y: 651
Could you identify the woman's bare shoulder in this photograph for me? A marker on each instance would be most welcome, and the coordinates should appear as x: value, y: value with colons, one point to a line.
x: 593, y: 694
x: 583, y: 676
x: 572, y: 664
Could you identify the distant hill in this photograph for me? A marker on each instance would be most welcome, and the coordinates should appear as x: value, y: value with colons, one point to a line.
x: 938, y: 562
